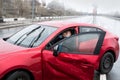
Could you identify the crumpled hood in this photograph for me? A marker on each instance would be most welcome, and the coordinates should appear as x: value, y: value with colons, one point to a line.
x: 8, y: 48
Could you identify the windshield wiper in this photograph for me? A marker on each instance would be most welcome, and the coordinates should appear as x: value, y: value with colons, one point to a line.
x: 36, y: 39
x: 28, y: 33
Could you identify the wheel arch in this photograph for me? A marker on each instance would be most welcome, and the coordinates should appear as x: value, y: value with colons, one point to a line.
x: 113, y: 53
x: 20, y: 69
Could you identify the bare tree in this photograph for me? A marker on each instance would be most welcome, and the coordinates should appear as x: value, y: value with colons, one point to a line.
x: 23, y: 8
x: 56, y: 8
x: 0, y: 8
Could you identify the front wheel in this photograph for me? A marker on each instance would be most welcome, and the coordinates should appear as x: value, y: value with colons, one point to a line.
x: 18, y: 75
x: 106, y: 63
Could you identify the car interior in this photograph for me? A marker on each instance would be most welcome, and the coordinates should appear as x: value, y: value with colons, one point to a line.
x: 60, y: 37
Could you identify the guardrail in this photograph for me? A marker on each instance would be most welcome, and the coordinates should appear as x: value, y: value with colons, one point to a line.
x: 37, y: 18
x: 16, y: 22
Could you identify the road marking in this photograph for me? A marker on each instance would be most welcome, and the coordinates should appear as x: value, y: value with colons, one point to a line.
x: 103, y: 77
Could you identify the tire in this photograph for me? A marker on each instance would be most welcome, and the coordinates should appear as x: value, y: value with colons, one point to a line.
x: 106, y: 63
x: 19, y: 75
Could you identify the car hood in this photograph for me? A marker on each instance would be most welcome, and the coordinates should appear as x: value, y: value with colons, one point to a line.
x: 6, y: 47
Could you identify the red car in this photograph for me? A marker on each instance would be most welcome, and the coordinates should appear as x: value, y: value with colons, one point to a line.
x: 40, y: 52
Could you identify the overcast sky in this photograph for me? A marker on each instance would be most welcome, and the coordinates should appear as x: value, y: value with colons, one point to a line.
x: 103, y: 6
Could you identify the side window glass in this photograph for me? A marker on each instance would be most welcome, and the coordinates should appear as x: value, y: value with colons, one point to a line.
x: 81, y: 44
x: 87, y: 29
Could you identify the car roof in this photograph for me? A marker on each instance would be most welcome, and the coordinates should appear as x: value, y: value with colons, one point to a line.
x: 68, y: 23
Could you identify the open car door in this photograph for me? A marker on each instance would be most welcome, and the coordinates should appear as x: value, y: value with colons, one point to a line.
x: 74, y: 58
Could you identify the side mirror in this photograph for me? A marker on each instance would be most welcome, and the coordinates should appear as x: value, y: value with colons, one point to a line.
x: 56, y: 50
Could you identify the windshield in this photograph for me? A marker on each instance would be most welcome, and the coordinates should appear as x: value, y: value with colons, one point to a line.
x: 31, y: 36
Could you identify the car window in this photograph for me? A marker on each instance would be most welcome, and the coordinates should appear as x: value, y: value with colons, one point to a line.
x: 89, y: 29
x: 81, y: 44
x: 31, y: 36
x: 60, y: 37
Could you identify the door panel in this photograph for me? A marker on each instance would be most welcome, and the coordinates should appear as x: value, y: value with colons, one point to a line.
x: 66, y: 67
x: 77, y: 59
